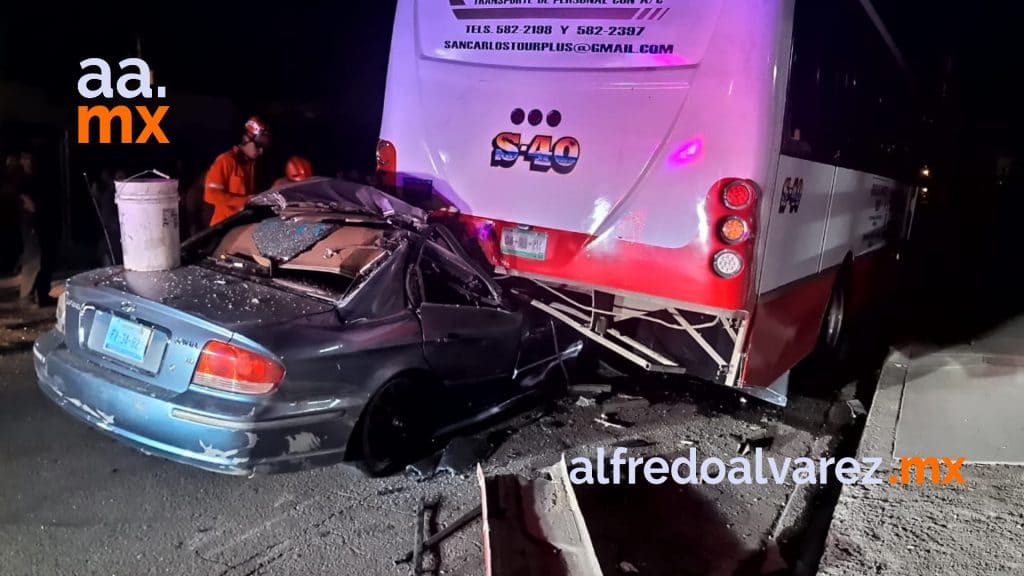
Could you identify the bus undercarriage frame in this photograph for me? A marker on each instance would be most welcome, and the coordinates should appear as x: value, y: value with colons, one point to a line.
x: 655, y: 334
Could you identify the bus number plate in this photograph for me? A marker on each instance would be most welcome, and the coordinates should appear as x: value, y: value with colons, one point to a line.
x: 524, y: 243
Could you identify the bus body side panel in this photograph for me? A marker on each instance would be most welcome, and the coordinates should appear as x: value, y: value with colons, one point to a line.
x: 823, y: 218
x: 785, y: 327
x: 784, y: 52
x: 793, y: 291
x: 403, y: 120
x: 636, y: 211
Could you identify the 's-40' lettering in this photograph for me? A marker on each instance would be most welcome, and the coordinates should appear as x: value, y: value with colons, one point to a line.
x: 543, y: 152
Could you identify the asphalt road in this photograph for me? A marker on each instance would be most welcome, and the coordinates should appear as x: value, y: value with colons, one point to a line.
x: 73, y: 501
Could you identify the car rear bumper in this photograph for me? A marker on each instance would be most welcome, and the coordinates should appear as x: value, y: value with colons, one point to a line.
x: 155, y: 423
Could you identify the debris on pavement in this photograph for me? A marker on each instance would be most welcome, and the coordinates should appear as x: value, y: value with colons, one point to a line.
x: 612, y: 421
x: 535, y: 526
x: 590, y: 389
x: 842, y: 414
x: 425, y: 468
x: 551, y: 422
x: 462, y: 453
x: 417, y: 554
x: 634, y: 443
x: 442, y: 535
x: 624, y: 402
x: 628, y: 568
x: 760, y: 438
x: 584, y: 402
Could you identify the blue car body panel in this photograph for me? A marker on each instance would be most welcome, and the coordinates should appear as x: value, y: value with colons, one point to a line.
x: 336, y: 353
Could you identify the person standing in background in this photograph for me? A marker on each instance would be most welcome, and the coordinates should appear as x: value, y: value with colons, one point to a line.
x: 11, y: 242
x: 42, y: 205
x: 231, y: 178
x: 296, y: 169
x: 104, y: 191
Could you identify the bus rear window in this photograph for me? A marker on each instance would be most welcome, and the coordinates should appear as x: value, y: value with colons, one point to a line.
x: 582, y: 34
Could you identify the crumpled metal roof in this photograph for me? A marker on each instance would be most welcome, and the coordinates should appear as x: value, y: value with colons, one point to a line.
x: 338, y: 195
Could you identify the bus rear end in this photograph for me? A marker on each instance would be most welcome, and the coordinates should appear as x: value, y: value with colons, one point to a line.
x: 614, y: 152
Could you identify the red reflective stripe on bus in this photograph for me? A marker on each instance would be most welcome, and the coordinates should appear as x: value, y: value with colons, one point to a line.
x: 683, y: 274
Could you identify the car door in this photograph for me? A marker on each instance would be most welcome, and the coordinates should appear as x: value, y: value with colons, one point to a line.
x: 468, y: 336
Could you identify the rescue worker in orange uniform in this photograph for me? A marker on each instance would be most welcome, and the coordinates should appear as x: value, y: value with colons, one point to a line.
x: 296, y: 170
x: 230, y: 179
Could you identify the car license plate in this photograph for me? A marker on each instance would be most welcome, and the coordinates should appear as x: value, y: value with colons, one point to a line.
x: 128, y: 340
x: 525, y: 243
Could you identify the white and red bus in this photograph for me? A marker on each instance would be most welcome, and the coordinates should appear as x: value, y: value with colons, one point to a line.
x: 701, y: 186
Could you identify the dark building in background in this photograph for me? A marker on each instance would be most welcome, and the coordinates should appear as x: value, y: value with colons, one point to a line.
x: 315, y: 72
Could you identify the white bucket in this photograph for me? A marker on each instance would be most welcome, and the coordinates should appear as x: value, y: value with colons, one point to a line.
x: 148, y: 212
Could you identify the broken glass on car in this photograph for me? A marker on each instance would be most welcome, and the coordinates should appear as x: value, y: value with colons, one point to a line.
x: 319, y: 255
x: 282, y: 240
x: 444, y: 279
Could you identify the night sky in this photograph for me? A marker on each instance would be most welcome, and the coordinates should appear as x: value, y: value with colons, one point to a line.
x: 295, y: 51
x: 326, y: 61
x: 315, y: 70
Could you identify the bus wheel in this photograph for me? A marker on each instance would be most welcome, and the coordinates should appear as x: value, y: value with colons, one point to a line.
x: 822, y: 372
x: 833, y: 324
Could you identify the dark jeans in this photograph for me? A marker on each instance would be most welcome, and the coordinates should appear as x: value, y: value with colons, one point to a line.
x: 10, y: 253
x: 48, y: 243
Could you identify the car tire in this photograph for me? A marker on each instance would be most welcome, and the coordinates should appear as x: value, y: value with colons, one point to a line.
x: 398, y: 425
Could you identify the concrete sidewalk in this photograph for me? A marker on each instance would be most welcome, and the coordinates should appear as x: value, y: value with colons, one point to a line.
x: 960, y: 401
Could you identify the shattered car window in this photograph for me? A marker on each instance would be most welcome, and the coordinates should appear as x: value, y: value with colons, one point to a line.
x: 311, y: 254
x: 282, y: 240
x: 446, y: 281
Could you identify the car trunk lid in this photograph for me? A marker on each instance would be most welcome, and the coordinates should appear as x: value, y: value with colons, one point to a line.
x: 152, y: 326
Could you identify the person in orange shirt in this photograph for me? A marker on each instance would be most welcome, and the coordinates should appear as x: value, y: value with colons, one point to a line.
x: 296, y: 170
x: 230, y: 179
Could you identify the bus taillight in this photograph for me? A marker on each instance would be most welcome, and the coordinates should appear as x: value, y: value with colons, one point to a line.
x: 734, y: 214
x: 734, y: 230
x: 387, y: 162
x: 727, y: 264
x: 387, y: 157
x: 738, y: 195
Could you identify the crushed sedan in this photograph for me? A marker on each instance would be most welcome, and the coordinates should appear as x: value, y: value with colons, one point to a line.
x: 328, y: 321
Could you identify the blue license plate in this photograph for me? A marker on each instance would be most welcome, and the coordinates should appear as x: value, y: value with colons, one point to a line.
x: 128, y: 340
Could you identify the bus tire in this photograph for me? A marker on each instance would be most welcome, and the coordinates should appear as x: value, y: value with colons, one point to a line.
x: 830, y: 354
x: 833, y: 323
x: 822, y: 372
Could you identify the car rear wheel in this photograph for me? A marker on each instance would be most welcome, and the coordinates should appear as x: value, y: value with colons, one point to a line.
x: 398, y: 425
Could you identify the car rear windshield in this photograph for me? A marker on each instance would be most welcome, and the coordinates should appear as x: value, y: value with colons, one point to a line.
x: 317, y: 257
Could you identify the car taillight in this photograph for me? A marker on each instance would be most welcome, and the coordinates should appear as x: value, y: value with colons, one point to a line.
x: 233, y: 369
x: 387, y: 157
x: 738, y: 195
